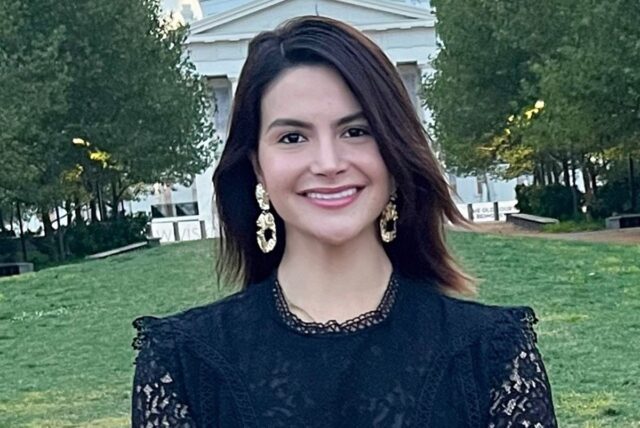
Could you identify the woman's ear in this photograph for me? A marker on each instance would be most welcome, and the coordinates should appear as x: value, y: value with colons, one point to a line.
x: 256, y: 166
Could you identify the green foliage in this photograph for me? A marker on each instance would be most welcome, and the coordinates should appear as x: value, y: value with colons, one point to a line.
x: 84, y: 239
x: 555, y: 201
x: 499, y: 57
x: 114, y: 75
x: 34, y: 78
x: 613, y: 198
x: 573, y: 226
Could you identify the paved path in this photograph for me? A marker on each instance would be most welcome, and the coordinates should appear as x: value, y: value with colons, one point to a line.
x: 629, y: 236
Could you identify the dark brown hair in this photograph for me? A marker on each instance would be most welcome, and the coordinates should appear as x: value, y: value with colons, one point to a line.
x: 424, y: 199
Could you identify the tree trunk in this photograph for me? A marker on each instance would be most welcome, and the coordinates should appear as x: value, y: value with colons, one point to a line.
x: 586, y: 180
x: 2, y: 228
x: 536, y: 175
x: 594, y: 183
x: 574, y: 190
x: 543, y: 173
x: 23, y: 244
x: 70, y: 212
x: 94, y: 210
x: 556, y: 172
x: 114, y: 199
x: 588, y: 192
x: 60, y: 236
x: 633, y: 193
x: 565, y: 173
x: 48, y: 233
x: 101, y: 207
x: 549, y: 170
x: 11, y: 221
x: 77, y: 208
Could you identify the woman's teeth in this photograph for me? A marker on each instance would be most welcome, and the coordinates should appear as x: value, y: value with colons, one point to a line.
x: 339, y: 195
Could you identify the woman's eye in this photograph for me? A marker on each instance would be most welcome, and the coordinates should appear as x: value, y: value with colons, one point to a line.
x: 356, y: 132
x: 291, y: 138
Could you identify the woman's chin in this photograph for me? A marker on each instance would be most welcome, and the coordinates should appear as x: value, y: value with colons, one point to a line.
x: 340, y: 237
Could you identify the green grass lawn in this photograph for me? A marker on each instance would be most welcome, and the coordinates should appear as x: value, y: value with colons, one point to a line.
x: 65, y: 332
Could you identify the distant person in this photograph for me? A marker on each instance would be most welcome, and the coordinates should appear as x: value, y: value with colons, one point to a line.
x: 332, y: 209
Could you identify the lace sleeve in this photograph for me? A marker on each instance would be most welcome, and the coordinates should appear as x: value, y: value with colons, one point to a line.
x: 156, y: 398
x: 521, y: 396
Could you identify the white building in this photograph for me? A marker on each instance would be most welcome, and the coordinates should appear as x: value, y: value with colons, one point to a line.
x: 218, y: 46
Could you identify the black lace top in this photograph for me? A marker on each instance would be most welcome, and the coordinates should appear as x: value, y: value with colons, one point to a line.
x: 420, y: 359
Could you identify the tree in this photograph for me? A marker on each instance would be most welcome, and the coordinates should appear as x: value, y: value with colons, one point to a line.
x: 580, y: 60
x: 135, y: 97
x: 113, y: 75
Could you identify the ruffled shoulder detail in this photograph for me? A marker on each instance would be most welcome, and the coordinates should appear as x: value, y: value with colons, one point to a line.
x: 513, y: 328
x: 520, y: 393
x: 150, y: 329
x: 158, y: 397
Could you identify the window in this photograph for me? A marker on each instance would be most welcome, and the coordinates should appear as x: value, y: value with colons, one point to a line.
x: 409, y: 75
x: 174, y: 210
x: 221, y: 102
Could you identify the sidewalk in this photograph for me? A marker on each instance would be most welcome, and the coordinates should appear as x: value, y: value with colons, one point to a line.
x: 628, y: 236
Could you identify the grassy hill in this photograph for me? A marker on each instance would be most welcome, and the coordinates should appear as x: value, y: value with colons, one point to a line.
x: 65, y: 332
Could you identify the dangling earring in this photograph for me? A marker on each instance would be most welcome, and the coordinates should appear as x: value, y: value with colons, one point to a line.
x: 265, y: 221
x: 389, y: 215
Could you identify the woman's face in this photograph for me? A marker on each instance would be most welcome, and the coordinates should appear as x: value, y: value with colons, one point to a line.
x: 317, y: 159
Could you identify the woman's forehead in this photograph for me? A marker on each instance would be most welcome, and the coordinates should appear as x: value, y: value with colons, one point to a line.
x: 310, y: 91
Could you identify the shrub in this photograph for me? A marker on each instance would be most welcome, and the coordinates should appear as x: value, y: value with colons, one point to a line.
x: 573, y: 226
x: 613, y: 197
x: 554, y: 201
x: 84, y: 239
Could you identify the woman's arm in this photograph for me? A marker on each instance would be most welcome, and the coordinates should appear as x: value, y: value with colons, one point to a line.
x: 157, y: 399
x: 521, y: 394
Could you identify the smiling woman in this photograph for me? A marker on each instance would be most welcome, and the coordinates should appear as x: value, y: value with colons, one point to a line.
x: 319, y: 162
x: 332, y: 208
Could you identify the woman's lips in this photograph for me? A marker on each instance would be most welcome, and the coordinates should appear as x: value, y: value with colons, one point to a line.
x: 336, y: 199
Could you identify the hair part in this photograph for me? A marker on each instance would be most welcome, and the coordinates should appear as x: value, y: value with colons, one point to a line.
x: 424, y: 196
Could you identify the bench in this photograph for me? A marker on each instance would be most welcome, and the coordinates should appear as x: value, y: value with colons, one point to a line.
x: 150, y: 242
x: 8, y: 269
x: 623, y: 221
x: 529, y: 221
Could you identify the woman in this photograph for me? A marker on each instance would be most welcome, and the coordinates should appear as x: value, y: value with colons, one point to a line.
x: 332, y: 209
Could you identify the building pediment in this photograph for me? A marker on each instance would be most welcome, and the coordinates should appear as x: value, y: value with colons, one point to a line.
x: 246, y: 21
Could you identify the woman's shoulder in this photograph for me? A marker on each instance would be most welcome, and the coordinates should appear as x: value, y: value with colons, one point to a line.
x: 240, y: 310
x: 466, y: 319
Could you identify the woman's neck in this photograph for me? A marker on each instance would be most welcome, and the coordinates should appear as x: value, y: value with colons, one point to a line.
x: 334, y: 282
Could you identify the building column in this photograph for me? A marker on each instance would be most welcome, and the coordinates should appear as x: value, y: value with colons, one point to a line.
x: 234, y: 84
x: 425, y: 70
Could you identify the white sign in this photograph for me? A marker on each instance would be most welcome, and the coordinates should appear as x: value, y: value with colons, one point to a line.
x: 483, y: 212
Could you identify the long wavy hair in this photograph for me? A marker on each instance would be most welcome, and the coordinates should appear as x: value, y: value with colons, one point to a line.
x: 424, y: 197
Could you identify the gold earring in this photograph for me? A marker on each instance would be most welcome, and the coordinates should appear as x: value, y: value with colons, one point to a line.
x: 265, y: 221
x: 389, y: 215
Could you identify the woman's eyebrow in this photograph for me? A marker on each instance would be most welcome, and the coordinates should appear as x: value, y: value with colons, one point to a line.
x: 290, y: 122
x: 306, y: 125
x: 350, y: 118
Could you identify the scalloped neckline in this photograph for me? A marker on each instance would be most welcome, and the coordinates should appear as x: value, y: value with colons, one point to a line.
x: 358, y: 323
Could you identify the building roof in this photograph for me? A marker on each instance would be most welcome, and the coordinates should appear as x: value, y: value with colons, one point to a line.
x: 374, y: 15
x: 214, y: 7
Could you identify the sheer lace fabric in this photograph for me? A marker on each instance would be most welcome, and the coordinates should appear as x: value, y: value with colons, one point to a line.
x: 352, y: 325
x: 522, y: 397
x: 156, y: 401
x: 419, y: 359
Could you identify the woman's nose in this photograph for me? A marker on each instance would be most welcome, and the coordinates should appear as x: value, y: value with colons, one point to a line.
x: 328, y: 158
